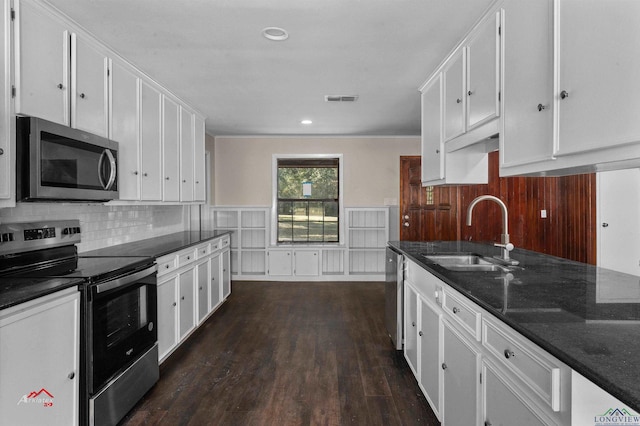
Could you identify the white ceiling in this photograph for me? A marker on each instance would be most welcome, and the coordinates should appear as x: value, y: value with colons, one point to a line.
x: 212, y: 55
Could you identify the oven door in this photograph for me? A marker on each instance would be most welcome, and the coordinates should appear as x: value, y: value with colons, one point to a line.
x: 122, y: 325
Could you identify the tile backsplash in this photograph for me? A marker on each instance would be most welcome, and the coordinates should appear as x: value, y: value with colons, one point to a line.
x: 104, y: 225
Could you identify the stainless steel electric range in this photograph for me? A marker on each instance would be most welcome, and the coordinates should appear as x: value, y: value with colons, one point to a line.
x: 119, y: 359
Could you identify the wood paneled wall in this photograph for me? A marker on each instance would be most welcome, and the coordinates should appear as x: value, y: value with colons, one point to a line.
x: 568, y: 231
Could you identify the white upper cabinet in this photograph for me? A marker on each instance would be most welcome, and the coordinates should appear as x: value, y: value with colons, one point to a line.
x: 42, y: 63
x: 89, y: 86
x: 461, y: 107
x: 483, y: 73
x: 432, y: 141
x: 7, y: 169
x: 186, y: 155
x: 171, y: 150
x: 65, y: 75
x: 56, y: 68
x: 527, y: 132
x: 598, y: 92
x: 125, y: 88
x: 454, y: 98
x: 200, y: 189
x: 151, y: 143
x: 571, y: 92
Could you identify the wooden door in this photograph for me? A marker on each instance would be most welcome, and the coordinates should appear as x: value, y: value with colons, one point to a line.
x: 426, y: 213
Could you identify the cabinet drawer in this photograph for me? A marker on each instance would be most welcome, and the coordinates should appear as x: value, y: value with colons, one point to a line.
x: 427, y: 285
x: 462, y: 312
x: 203, y: 251
x: 167, y: 264
x: 536, y: 368
x: 186, y: 257
x: 224, y: 242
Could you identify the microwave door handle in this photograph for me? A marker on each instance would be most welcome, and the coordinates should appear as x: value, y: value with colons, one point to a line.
x: 112, y: 168
x: 112, y: 163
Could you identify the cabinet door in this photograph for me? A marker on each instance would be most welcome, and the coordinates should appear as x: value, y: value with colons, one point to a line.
x: 432, y: 143
x: 307, y: 263
x: 430, y: 343
x: 42, y: 64
x: 503, y: 404
x: 200, y: 190
x: 89, y: 87
x: 186, y: 155
x: 7, y: 172
x: 202, y: 272
x: 527, y: 135
x: 151, y: 143
x: 170, y: 150
x: 226, y: 274
x: 461, y: 379
x: 124, y: 129
x: 598, y: 70
x: 187, y: 302
x: 167, y: 315
x: 483, y: 73
x: 280, y: 262
x: 454, y: 97
x: 216, y: 280
x: 411, y: 328
x: 39, y: 352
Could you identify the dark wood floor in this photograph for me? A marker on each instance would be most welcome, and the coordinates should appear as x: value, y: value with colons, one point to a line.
x: 288, y: 354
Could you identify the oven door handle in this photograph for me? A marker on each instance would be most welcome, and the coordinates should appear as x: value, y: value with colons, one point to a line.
x: 126, y: 280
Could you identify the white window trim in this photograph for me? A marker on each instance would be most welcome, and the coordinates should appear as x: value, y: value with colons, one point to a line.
x: 274, y: 199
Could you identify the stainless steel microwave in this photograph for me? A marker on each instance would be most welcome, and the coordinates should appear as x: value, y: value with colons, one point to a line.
x: 58, y: 163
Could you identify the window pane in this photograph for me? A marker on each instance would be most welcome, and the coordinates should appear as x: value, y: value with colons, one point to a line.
x: 316, y: 231
x: 331, y: 232
x: 285, y: 231
x: 300, y: 232
x: 323, y: 181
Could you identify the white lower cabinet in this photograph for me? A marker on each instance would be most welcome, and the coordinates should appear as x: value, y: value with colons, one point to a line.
x: 187, y: 302
x: 503, y: 403
x: 167, y: 316
x: 472, y: 368
x: 191, y: 285
x: 203, y: 289
x: 39, y: 355
x: 296, y: 262
x: 461, y: 379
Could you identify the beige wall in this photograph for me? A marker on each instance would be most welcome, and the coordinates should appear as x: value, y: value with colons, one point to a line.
x: 242, y: 166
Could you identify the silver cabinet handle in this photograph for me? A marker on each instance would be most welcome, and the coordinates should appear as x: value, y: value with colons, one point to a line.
x: 564, y: 94
x: 413, y: 324
x: 71, y: 375
x: 82, y: 95
x: 420, y: 333
x: 605, y: 225
x: 458, y: 100
x: 455, y: 310
x: 508, y: 354
x: 60, y: 86
x: 541, y: 107
x: 444, y: 366
x: 174, y: 304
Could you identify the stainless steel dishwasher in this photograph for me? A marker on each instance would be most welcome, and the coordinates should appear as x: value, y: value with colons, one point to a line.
x: 394, y: 302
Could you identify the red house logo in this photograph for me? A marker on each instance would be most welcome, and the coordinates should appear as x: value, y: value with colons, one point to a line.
x: 42, y: 396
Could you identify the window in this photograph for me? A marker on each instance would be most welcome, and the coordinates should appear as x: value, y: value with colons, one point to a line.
x: 308, y: 199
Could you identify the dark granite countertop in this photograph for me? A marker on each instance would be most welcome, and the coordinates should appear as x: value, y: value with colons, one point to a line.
x: 587, y: 317
x: 14, y: 291
x: 158, y: 246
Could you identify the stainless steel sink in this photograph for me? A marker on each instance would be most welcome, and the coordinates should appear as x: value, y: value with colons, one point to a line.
x: 465, y: 262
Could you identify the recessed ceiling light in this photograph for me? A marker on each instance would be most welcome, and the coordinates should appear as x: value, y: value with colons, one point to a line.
x: 275, y: 33
x: 306, y: 122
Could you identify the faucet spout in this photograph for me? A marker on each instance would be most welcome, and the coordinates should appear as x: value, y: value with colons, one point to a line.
x: 504, y: 237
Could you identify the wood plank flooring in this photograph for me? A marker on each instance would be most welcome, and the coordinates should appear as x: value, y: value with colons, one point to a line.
x: 288, y: 354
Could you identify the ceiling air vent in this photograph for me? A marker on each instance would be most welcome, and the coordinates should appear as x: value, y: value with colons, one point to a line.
x: 341, y: 98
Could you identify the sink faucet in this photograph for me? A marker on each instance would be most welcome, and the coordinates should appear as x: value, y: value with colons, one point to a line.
x: 504, y: 237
